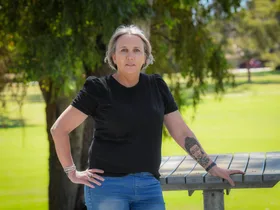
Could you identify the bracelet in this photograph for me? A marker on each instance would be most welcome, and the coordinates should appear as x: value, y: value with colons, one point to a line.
x: 210, y: 166
x: 69, y: 169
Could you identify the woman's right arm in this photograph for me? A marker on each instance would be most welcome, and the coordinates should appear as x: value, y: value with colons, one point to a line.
x: 68, y: 121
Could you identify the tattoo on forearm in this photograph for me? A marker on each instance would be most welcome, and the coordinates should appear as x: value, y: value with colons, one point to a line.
x: 194, y: 149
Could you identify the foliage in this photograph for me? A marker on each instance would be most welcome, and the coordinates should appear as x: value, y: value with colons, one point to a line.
x: 56, y: 40
x: 183, y: 44
x: 254, y: 32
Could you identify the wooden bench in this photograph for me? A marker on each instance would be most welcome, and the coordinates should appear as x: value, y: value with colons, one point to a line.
x: 262, y: 170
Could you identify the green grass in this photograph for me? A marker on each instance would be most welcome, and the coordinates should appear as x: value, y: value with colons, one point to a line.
x: 24, y: 158
x: 247, y: 119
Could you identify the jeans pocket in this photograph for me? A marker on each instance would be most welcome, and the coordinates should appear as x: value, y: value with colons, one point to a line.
x: 152, y: 177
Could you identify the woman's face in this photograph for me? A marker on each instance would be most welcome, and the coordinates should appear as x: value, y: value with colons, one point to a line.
x: 196, y: 151
x: 129, y: 55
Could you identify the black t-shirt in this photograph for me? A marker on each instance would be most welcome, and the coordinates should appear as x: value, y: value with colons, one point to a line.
x: 129, y: 121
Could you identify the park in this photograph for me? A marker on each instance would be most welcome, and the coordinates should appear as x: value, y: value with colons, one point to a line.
x: 220, y: 61
x: 248, y: 116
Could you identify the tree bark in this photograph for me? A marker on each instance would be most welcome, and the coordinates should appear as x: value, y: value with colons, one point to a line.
x: 62, y: 193
x: 88, y: 132
x: 249, y: 75
x: 248, y: 66
x: 89, y: 123
x: 87, y: 138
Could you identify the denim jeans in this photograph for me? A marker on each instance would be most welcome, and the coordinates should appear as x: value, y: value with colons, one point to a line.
x: 139, y: 191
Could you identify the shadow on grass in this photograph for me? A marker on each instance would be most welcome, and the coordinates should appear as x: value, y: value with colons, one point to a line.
x: 264, y: 82
x: 258, y: 74
x: 6, y: 122
x: 241, y: 85
x: 34, y: 98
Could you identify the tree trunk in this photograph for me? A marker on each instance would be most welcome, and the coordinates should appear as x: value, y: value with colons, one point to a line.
x: 87, y: 138
x: 249, y: 75
x: 62, y: 193
x: 248, y: 66
x: 89, y: 123
x: 89, y: 126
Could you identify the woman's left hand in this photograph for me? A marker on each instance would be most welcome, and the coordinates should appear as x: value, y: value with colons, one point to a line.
x: 224, y: 173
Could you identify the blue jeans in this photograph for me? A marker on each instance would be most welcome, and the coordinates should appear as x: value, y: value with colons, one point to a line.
x: 139, y: 191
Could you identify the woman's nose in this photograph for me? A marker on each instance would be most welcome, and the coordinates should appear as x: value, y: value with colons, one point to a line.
x: 130, y: 56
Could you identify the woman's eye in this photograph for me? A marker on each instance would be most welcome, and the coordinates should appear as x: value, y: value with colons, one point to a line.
x: 134, y: 50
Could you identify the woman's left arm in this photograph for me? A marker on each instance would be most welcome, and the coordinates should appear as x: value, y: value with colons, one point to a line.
x: 183, y: 135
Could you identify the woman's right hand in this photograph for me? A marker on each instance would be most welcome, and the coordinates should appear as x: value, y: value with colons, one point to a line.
x: 86, y: 177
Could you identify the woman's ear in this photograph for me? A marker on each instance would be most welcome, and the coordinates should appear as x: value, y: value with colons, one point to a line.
x: 114, y: 58
x: 146, y: 61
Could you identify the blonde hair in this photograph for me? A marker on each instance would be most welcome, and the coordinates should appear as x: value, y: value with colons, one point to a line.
x: 133, y: 30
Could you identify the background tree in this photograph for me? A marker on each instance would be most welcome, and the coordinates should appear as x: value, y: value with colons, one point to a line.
x: 59, y: 43
x: 253, y: 32
x: 184, y: 45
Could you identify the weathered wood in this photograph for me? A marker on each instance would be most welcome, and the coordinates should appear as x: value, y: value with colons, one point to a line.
x: 255, y: 168
x: 222, y: 161
x: 262, y: 171
x: 212, y: 186
x: 239, y: 162
x: 169, y: 167
x: 163, y: 161
x: 196, y: 176
x: 178, y: 177
x: 272, y: 169
x: 191, y: 176
x: 190, y: 192
x: 213, y: 199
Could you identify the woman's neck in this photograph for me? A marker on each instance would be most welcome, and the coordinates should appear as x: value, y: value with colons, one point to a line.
x: 127, y: 80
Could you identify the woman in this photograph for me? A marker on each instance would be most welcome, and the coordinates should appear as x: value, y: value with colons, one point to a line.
x: 129, y: 108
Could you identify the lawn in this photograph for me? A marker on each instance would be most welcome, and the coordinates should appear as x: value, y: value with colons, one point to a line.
x: 247, y: 119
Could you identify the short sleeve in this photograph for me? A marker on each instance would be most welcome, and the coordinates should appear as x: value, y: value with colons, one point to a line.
x: 168, y: 100
x: 86, y: 100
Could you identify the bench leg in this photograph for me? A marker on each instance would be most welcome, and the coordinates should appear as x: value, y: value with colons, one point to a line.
x: 213, y: 199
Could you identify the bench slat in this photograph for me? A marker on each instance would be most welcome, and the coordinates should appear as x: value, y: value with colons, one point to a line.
x: 169, y: 167
x: 273, y: 154
x: 239, y: 162
x: 196, y: 176
x: 272, y: 168
x: 222, y: 161
x: 163, y: 160
x: 261, y: 171
x: 255, y: 168
x: 178, y: 177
